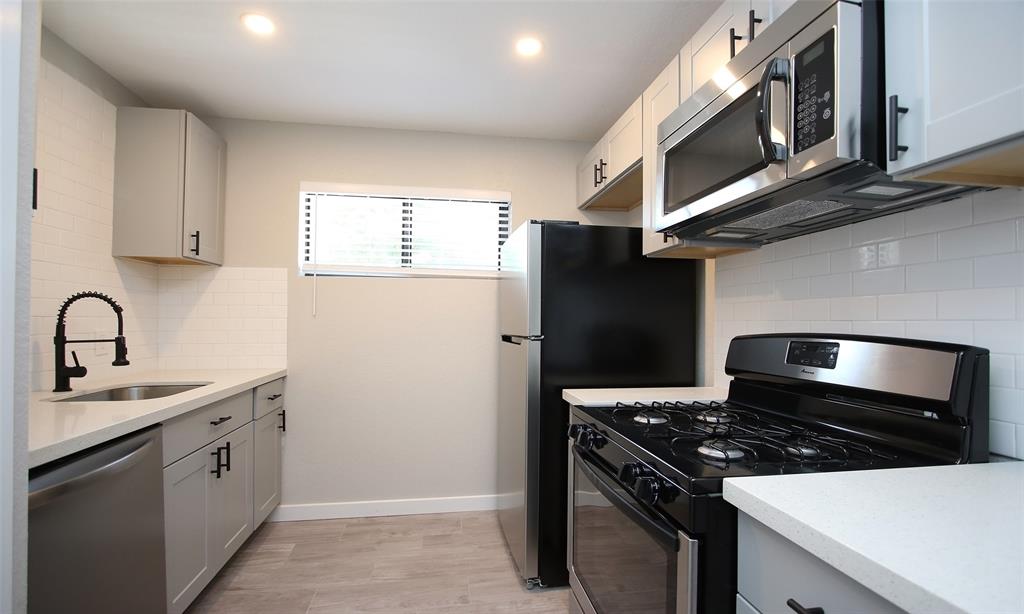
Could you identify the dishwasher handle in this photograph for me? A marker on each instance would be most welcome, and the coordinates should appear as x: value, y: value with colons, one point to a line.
x: 46, y: 494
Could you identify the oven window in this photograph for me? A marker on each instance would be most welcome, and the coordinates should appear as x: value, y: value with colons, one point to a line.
x: 724, y: 150
x: 620, y: 565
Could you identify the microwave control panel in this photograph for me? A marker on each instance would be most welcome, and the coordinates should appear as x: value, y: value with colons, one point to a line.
x: 814, y: 77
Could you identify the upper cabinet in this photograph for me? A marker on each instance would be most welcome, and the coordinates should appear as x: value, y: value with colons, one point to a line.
x: 955, y: 91
x: 659, y: 99
x: 168, y: 187
x: 727, y: 32
x: 609, y: 176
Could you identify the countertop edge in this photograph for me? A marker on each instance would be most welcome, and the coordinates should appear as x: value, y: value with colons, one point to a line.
x: 900, y: 591
x: 72, y: 445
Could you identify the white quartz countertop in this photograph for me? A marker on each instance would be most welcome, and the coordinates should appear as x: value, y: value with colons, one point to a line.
x: 59, y: 429
x: 928, y: 539
x: 596, y: 397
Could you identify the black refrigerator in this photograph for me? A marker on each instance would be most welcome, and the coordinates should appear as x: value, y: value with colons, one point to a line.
x: 579, y: 307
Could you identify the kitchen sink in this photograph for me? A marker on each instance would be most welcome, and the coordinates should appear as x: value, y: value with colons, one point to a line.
x: 132, y: 393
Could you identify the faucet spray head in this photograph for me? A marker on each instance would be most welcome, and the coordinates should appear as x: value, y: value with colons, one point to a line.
x: 120, y: 352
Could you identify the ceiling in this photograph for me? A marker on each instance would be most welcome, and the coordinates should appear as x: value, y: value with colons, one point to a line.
x: 442, y: 66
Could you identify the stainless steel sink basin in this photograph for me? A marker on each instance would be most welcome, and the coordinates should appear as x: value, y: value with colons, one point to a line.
x: 132, y: 393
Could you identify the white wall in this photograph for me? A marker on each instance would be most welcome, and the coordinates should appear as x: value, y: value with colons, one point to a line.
x: 391, y: 387
x: 950, y: 272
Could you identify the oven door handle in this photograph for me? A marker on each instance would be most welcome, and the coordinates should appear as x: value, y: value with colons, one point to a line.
x: 661, y: 531
x: 777, y: 69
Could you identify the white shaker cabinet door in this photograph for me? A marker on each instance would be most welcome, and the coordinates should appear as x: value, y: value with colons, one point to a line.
x: 231, y: 495
x: 715, y: 43
x: 187, y: 528
x: 205, y: 154
x: 267, y: 464
x: 588, y: 173
x: 660, y: 99
x: 625, y: 140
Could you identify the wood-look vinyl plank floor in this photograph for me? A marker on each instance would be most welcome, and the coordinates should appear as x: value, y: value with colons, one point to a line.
x: 425, y: 564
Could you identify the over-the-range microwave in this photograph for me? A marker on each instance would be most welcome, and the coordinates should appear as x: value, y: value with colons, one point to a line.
x: 787, y: 138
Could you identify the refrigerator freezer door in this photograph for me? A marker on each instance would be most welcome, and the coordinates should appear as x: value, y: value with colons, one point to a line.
x: 519, y: 395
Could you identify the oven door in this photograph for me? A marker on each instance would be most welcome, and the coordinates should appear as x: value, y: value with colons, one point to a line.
x: 625, y: 556
x: 733, y: 150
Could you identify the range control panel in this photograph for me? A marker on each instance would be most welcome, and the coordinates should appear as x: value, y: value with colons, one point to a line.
x: 813, y: 354
x: 814, y: 77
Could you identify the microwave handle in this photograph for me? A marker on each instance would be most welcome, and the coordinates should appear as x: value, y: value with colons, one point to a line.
x: 776, y: 70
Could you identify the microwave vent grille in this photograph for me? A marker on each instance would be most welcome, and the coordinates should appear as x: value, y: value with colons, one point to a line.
x: 792, y: 213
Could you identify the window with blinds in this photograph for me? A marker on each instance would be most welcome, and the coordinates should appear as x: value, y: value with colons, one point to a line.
x: 375, y: 230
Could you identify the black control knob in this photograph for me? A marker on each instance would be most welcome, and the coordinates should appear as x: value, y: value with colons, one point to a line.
x: 575, y: 430
x: 631, y: 472
x: 597, y: 441
x: 648, y: 490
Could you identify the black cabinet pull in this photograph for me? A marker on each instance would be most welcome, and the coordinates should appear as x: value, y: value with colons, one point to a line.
x: 799, y: 609
x: 603, y: 166
x: 284, y: 420
x: 754, y: 20
x: 219, y: 421
x: 227, y: 455
x: 733, y: 37
x: 597, y: 175
x: 273, y: 397
x: 217, y: 466
x: 895, y: 110
x: 195, y: 250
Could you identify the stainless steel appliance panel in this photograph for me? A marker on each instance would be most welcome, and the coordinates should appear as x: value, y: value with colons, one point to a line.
x: 96, y: 530
x: 720, y: 157
x: 519, y: 396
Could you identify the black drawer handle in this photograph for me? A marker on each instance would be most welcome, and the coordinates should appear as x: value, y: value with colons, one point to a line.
x: 227, y: 458
x: 284, y: 420
x: 895, y: 110
x: 799, y: 609
x: 733, y: 37
x: 273, y: 397
x: 195, y: 250
x: 219, y: 464
x: 219, y: 421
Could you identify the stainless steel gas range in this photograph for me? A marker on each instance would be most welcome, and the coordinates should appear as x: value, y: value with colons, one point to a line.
x: 649, y: 530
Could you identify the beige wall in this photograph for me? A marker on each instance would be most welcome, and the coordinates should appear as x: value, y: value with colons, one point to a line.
x: 391, y: 387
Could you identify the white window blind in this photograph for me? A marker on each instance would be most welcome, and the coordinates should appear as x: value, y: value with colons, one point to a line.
x: 401, y: 232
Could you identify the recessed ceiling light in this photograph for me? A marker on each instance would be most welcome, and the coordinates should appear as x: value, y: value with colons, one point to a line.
x: 258, y: 24
x: 528, y: 46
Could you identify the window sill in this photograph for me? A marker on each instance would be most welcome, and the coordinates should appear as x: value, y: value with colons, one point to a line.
x: 390, y: 272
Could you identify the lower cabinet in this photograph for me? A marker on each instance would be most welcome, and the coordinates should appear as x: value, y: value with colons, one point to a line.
x: 267, y: 465
x: 208, y: 508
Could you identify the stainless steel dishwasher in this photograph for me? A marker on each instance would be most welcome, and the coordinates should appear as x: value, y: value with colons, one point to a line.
x: 96, y: 530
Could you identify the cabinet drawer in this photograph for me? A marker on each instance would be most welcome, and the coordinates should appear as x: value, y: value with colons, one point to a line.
x: 188, y: 433
x: 269, y: 396
x: 771, y: 570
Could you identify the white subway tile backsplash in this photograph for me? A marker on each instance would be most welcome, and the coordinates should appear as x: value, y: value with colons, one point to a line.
x: 948, y: 275
x: 913, y: 250
x: 879, y: 281
x: 855, y: 259
x: 981, y: 240
x: 877, y: 229
x: 997, y: 271
x: 981, y: 304
x: 912, y: 306
x: 954, y: 214
x: 853, y: 308
x: 826, y: 286
x: 951, y: 272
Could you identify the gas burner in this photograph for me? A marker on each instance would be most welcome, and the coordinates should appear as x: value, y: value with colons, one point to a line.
x: 650, y: 417
x: 714, y: 416
x: 802, y: 450
x: 720, y: 450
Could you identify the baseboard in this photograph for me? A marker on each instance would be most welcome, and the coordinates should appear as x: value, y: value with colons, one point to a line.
x: 384, y: 507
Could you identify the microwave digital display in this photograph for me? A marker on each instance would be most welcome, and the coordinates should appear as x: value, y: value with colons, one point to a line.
x: 813, y: 354
x: 814, y: 77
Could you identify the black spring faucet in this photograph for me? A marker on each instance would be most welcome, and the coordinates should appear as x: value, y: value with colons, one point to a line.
x: 62, y: 372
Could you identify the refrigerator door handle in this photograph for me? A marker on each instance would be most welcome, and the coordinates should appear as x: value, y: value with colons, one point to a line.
x: 518, y: 339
